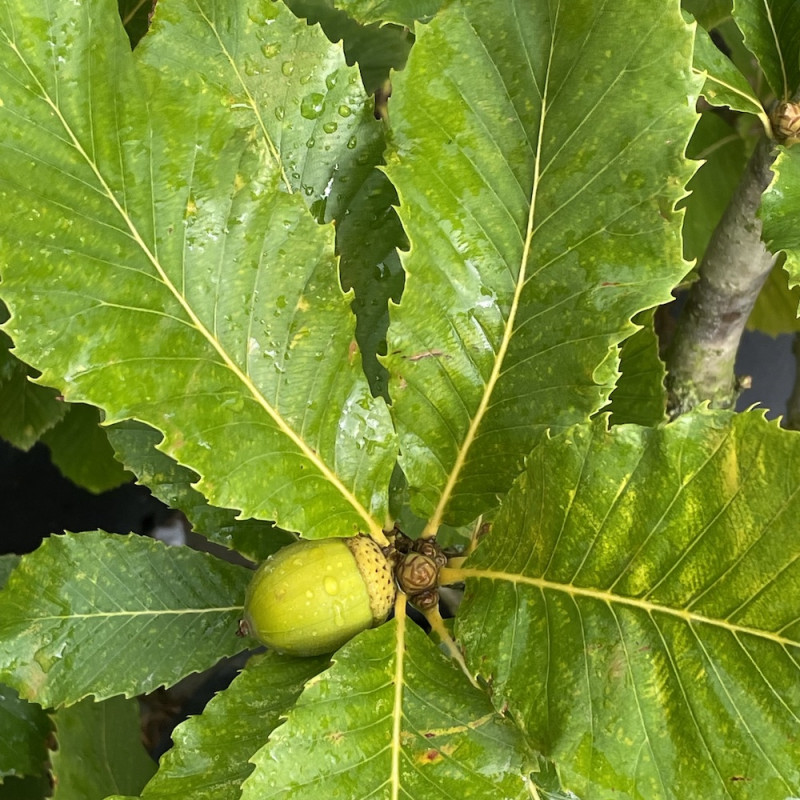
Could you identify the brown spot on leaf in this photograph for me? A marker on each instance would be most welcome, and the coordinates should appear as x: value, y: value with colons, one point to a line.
x: 431, y: 756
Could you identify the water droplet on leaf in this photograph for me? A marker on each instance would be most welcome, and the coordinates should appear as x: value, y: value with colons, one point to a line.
x: 312, y: 105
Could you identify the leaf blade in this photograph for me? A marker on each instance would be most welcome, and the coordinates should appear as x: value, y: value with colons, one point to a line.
x: 104, y: 614
x: 416, y: 735
x: 770, y: 34
x: 232, y: 727
x: 167, y: 218
x: 106, y: 735
x: 658, y: 584
x: 519, y: 297
x: 779, y: 205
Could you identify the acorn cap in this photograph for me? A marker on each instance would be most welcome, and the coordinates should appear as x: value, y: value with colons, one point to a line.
x: 377, y: 575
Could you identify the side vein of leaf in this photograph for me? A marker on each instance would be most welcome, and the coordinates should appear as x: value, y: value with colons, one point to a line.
x: 647, y: 739
x: 682, y: 487
x: 458, y: 575
x: 689, y: 706
x: 374, y: 527
x: 588, y: 679
x: 250, y: 100
x: 778, y: 695
x: 742, y: 721
x: 435, y: 521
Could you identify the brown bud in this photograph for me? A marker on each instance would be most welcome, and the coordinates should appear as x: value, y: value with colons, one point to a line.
x: 429, y: 548
x: 426, y: 600
x: 417, y: 573
x: 786, y: 123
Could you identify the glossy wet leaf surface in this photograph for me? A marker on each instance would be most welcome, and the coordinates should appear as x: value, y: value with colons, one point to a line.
x: 135, y: 446
x: 197, y: 292
x: 649, y: 578
x: 391, y: 718
x: 543, y: 225
x: 101, y: 614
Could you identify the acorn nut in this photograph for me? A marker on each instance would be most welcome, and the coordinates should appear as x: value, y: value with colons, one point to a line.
x: 312, y: 596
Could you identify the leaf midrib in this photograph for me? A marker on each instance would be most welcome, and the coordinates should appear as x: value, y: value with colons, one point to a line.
x: 375, y: 528
x: 436, y: 518
x: 689, y: 617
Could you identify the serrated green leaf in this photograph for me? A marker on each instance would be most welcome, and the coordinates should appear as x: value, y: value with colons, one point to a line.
x: 770, y: 33
x: 297, y: 90
x: 24, y: 733
x: 775, y: 311
x: 709, y: 13
x: 543, y: 223
x: 724, y: 84
x: 368, y: 239
x: 780, y: 207
x: 639, y: 396
x: 79, y: 447
x: 99, y: 751
x: 649, y: 584
x: 135, y: 445
x: 187, y: 286
x: 286, y: 81
x: 724, y: 153
x: 402, y: 12
x: 377, y: 49
x: 210, y: 755
x: 391, y: 718
x: 102, y: 614
x: 26, y: 409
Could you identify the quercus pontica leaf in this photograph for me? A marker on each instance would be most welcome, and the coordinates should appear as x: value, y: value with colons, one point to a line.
x: 210, y: 756
x: 724, y: 84
x: 649, y: 581
x: 106, y: 735
x: 770, y: 34
x: 188, y: 285
x: 545, y: 223
x: 780, y: 206
x: 391, y: 718
x: 102, y: 614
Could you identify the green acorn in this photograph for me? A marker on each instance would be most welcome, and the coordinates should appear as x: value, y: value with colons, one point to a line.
x: 312, y: 596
